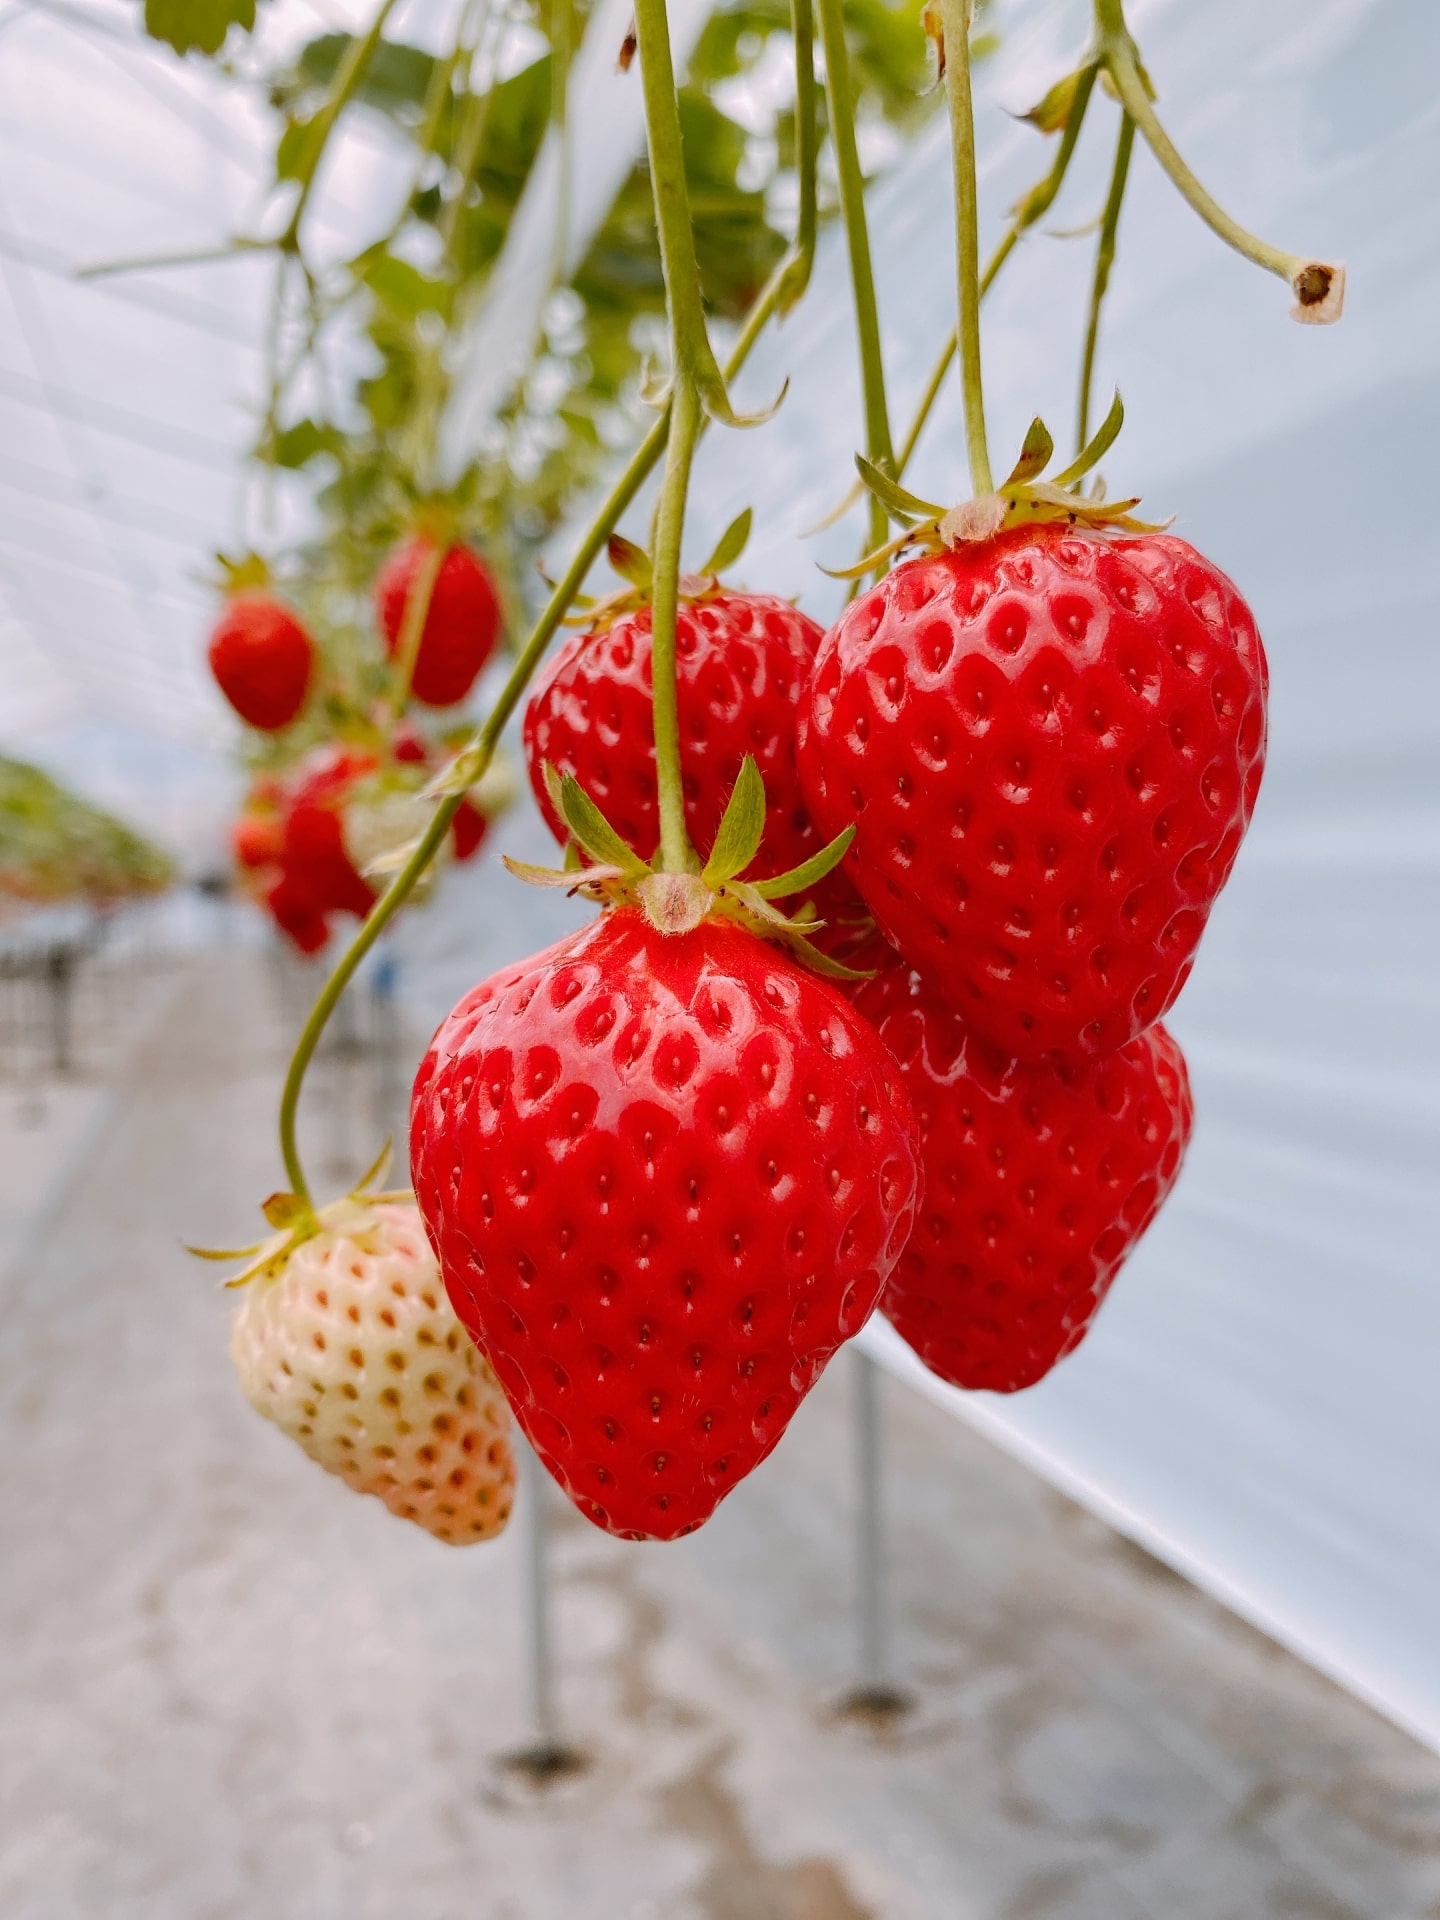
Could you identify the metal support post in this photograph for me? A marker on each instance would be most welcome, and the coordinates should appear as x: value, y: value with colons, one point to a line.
x: 875, y: 1691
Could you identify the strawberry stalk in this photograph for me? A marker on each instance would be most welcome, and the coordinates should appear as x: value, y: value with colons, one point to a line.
x: 1318, y: 285
x: 840, y: 95
x: 1104, y: 260
x: 412, y: 626
x: 691, y: 363
x: 1032, y: 207
x: 955, y: 15
x: 783, y: 289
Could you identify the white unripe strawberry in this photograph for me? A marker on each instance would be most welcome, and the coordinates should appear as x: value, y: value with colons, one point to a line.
x: 351, y: 1347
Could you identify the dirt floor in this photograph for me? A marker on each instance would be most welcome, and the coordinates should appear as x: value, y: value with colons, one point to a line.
x: 229, y: 1689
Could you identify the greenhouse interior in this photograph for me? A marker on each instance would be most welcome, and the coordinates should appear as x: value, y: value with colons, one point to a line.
x: 637, y: 639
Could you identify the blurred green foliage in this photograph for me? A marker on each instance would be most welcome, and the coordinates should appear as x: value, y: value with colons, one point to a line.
x: 55, y: 846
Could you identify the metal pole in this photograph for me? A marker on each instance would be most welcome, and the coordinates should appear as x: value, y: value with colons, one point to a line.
x: 534, y: 1494
x: 546, y: 1757
x: 386, y: 1085
x: 875, y: 1691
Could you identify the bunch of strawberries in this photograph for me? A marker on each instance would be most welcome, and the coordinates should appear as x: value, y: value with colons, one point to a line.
x: 304, y: 841
x: 668, y: 1169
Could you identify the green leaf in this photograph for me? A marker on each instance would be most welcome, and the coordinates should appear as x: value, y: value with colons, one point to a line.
x: 741, y: 827
x: 299, y: 147
x: 197, y: 26
x: 593, y: 831
x: 1051, y: 113
x: 632, y: 563
x: 1098, y: 447
x: 404, y: 289
x: 395, y: 82
x: 897, y: 502
x: 731, y: 544
x: 571, y: 879
x: 301, y: 442
x: 800, y: 879
x: 1034, y: 455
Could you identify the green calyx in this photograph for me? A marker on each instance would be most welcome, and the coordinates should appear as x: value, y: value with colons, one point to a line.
x: 637, y: 569
x: 296, y: 1221
x: 245, y: 573
x: 1024, y: 499
x: 678, y: 902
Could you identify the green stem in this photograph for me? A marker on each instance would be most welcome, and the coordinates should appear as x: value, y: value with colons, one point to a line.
x: 1122, y: 58
x: 792, y: 270
x: 676, y: 853
x: 348, y: 75
x: 956, y: 18
x: 474, y: 122
x: 807, y: 146
x: 1104, y: 260
x: 840, y: 95
x: 412, y: 623
x: 1033, y: 207
x: 683, y: 298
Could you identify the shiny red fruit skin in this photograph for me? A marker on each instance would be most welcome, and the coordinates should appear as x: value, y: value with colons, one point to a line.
x: 742, y: 660
x: 1038, y: 1182
x: 666, y: 1177
x: 461, y: 626
x: 317, y: 867
x: 262, y: 659
x: 1051, y: 744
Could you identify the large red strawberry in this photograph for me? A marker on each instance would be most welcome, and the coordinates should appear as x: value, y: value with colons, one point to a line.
x: 461, y: 625
x: 666, y: 1177
x: 1051, y: 743
x: 262, y: 658
x: 742, y: 661
x: 1038, y: 1181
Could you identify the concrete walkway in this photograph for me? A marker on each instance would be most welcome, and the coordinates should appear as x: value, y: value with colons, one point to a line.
x: 231, y: 1691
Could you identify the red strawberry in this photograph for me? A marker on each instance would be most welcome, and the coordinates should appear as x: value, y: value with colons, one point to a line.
x: 262, y: 659
x: 468, y: 830
x: 316, y: 862
x: 256, y: 840
x: 1038, y: 1181
x: 742, y: 660
x: 295, y: 913
x: 1051, y: 744
x: 666, y: 1177
x: 471, y: 823
x: 461, y: 626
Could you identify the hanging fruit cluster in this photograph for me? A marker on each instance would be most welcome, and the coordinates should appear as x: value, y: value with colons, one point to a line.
x: 888, y: 916
x: 339, y: 797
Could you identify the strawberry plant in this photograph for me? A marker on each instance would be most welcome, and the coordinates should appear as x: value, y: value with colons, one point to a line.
x: 670, y: 1165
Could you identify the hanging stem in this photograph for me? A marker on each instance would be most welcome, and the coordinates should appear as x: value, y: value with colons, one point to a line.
x: 683, y: 298
x: 956, y: 17
x: 1035, y: 205
x: 801, y: 254
x: 412, y: 624
x: 676, y: 853
x: 778, y: 293
x: 840, y: 94
x: 1104, y: 260
x: 1318, y: 285
x: 348, y: 75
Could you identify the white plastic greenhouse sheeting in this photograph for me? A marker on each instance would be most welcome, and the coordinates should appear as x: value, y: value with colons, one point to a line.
x: 1259, y: 1400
